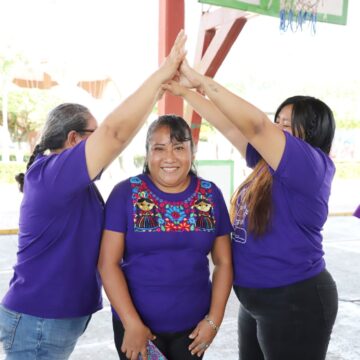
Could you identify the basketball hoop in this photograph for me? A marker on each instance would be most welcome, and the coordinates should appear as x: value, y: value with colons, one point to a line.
x: 295, y: 14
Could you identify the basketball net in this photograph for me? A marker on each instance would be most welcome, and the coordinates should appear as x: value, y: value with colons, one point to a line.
x: 296, y: 14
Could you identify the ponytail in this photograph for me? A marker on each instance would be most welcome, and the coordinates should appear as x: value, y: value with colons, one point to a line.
x: 60, y: 121
x: 21, y: 176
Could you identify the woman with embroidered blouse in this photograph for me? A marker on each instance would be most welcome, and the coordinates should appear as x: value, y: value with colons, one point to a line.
x: 160, y: 227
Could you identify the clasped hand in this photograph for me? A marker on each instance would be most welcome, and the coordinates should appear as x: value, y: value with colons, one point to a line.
x: 185, y: 78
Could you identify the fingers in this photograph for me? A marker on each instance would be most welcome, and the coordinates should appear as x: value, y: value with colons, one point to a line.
x: 133, y: 354
x: 144, y: 354
x: 180, y: 40
x: 136, y: 355
x: 194, y: 333
x: 199, y: 348
x: 178, y: 51
x: 203, y: 336
x: 185, y: 67
x: 180, y: 36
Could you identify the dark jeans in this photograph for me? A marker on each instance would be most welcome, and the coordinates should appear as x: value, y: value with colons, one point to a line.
x: 173, y: 345
x: 287, y: 323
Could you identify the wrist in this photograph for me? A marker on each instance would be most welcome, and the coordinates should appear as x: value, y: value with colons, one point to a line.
x: 159, y: 77
x: 132, y: 322
x: 212, y: 323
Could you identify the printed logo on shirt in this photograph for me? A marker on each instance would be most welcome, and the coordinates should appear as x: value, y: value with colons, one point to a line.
x: 240, y: 234
x: 150, y: 213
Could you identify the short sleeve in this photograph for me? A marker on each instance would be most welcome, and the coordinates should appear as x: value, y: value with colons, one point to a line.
x: 252, y: 156
x: 115, y: 209
x: 303, y: 168
x: 62, y: 175
x: 223, y: 223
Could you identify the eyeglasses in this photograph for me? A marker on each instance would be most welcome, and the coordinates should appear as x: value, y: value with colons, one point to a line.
x: 83, y: 132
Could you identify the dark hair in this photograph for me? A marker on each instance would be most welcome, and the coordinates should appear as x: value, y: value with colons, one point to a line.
x: 60, y: 121
x: 312, y: 120
x: 179, y: 130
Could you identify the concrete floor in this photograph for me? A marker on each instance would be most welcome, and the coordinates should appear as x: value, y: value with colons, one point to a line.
x: 342, y: 247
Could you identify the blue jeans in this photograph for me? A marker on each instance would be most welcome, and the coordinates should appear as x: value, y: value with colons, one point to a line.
x: 26, y: 337
x: 287, y: 323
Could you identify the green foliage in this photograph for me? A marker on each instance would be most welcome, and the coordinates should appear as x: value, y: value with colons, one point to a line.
x: 139, y: 160
x: 9, y: 170
x: 206, y: 131
x: 9, y: 60
x: 27, y: 110
x: 347, y: 123
x: 344, y: 170
x: 347, y: 170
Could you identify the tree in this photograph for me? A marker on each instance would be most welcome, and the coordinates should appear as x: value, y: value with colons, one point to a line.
x: 27, y: 110
x: 8, y: 62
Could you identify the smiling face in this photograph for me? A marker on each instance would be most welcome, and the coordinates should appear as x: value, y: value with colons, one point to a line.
x: 169, y: 162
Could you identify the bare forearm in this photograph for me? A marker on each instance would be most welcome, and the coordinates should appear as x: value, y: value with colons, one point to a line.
x: 117, y: 291
x: 209, y: 111
x: 245, y: 116
x: 221, y: 287
x: 130, y: 115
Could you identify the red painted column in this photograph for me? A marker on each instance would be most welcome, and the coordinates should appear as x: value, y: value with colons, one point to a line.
x: 171, y: 21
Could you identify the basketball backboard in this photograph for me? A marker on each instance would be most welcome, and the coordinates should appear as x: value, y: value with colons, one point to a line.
x: 329, y: 11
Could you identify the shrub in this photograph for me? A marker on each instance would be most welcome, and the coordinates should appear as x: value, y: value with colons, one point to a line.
x: 347, y: 170
x: 9, y: 170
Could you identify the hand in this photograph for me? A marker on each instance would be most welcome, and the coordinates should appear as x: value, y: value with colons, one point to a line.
x: 189, y: 77
x: 135, y: 341
x: 203, y: 336
x: 175, y: 57
x: 175, y: 88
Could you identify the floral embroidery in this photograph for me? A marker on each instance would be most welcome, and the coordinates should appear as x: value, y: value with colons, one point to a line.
x: 150, y: 213
x: 175, y: 213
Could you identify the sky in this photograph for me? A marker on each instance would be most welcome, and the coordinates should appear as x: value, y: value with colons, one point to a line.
x: 82, y: 39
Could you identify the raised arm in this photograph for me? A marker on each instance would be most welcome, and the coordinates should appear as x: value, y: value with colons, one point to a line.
x: 254, y: 124
x: 136, y: 333
x: 209, y: 111
x: 121, y: 125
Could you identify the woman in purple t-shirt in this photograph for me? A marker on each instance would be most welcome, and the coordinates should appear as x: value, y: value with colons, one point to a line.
x: 55, y: 287
x: 288, y: 300
x: 160, y: 227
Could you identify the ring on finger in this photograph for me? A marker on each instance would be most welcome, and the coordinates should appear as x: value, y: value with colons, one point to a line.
x: 204, y: 346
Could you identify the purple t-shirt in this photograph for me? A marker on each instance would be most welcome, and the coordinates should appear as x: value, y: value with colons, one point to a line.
x: 291, y: 250
x: 61, y: 221
x: 167, y: 241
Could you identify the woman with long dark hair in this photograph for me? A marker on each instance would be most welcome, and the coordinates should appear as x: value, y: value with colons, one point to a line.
x: 288, y: 300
